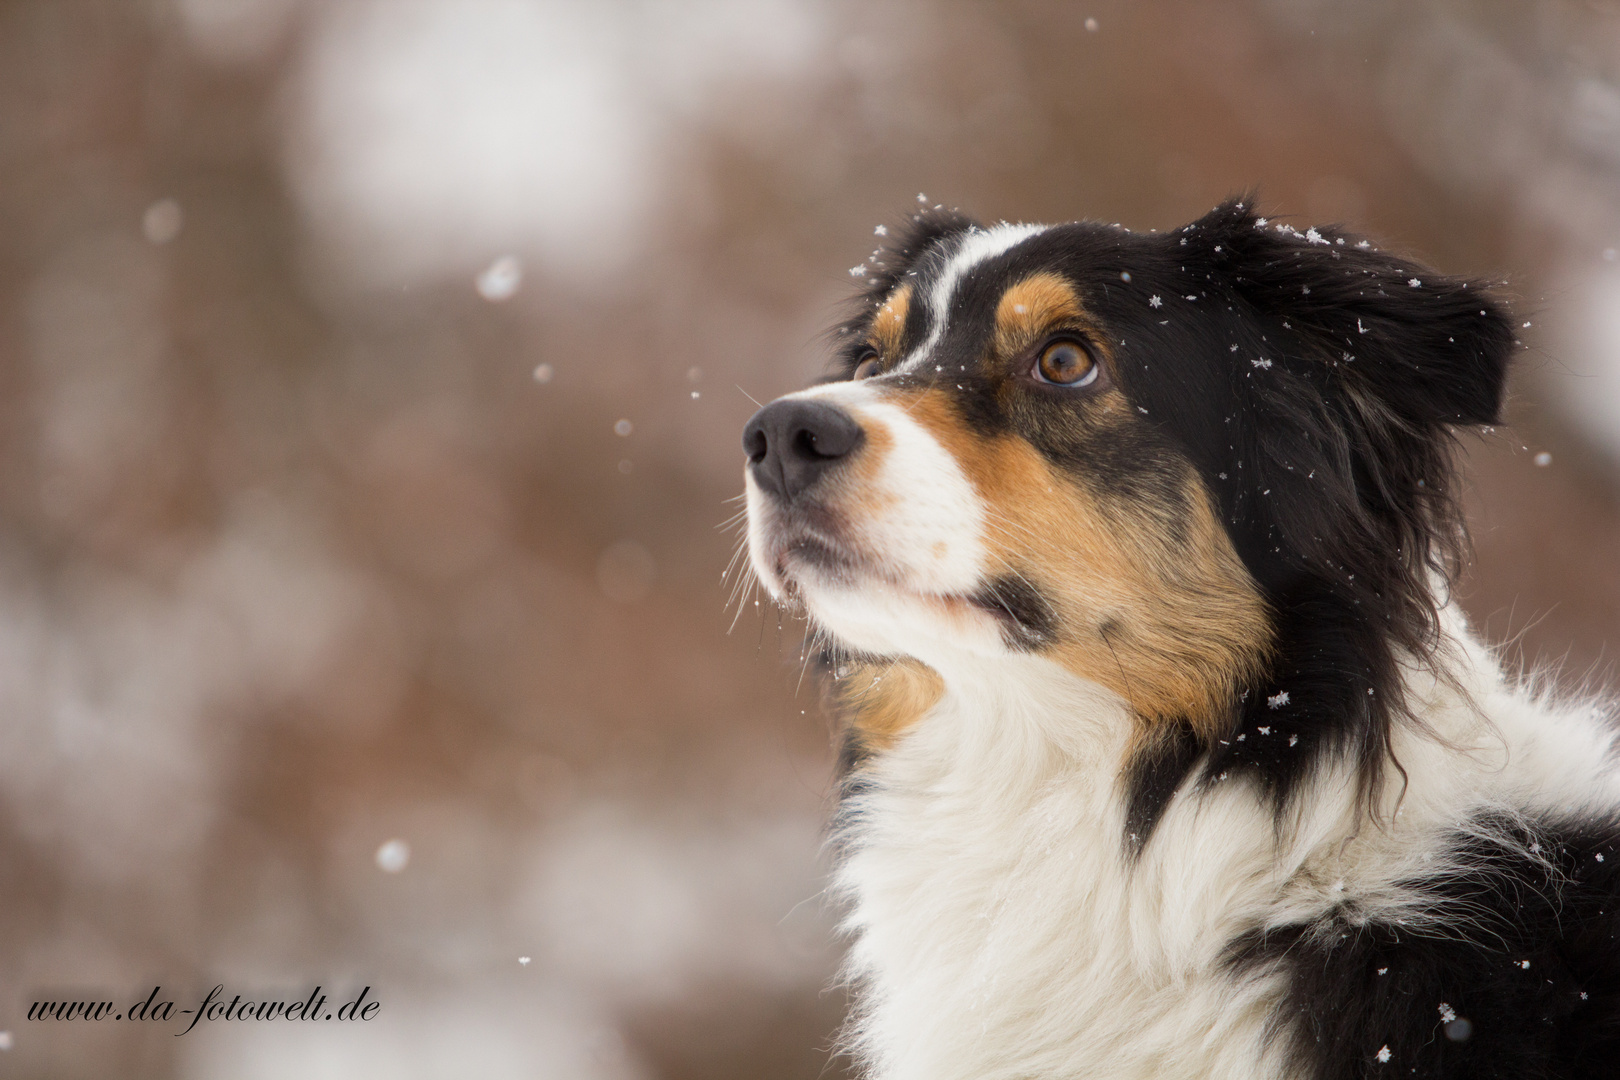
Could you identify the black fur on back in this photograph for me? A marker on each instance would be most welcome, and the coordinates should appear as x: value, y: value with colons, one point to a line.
x: 1315, y: 383
x: 1518, y: 940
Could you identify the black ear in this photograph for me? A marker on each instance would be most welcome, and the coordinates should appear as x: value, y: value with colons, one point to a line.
x: 1432, y: 349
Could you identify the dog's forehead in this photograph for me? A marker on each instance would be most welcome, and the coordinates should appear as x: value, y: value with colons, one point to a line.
x: 941, y: 278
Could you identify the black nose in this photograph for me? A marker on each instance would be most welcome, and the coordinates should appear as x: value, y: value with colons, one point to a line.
x: 791, y: 443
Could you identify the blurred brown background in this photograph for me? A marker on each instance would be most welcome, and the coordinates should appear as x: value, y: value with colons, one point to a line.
x: 371, y: 375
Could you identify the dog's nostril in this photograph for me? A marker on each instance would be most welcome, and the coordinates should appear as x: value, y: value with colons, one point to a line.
x: 754, y: 445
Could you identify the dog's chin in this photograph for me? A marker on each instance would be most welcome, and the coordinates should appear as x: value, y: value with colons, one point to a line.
x: 871, y: 609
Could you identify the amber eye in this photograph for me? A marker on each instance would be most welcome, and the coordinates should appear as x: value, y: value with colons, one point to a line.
x: 870, y: 364
x: 1066, y: 362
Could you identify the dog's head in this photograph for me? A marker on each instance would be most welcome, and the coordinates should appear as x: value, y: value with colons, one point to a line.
x: 1207, y: 469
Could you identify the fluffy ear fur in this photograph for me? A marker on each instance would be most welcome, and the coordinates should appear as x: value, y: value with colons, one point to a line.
x: 1337, y: 479
x: 1434, y: 349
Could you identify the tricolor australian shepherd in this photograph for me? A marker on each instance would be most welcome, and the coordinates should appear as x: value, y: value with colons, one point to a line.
x: 1168, y: 754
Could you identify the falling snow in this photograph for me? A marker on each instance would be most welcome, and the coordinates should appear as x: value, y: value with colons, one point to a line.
x: 500, y: 279
x: 162, y: 221
x: 393, y: 856
x: 1278, y: 700
x: 881, y: 230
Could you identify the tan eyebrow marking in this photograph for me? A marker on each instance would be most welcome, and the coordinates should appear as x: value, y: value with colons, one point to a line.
x: 889, y: 324
x: 1034, y: 306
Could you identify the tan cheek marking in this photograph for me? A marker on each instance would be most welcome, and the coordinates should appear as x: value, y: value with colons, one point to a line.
x: 1174, y: 628
x: 889, y: 325
x: 881, y: 701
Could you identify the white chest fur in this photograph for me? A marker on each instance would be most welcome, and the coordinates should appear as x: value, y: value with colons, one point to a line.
x: 1000, y: 929
x: 1001, y: 932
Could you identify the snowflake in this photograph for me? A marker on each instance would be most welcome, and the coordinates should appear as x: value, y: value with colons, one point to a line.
x: 1261, y: 363
x: 1314, y: 237
x: 1264, y: 730
x: 1191, y: 297
x: 1383, y: 1054
x: 1364, y: 245
x: 857, y: 271
x: 1154, y: 301
x: 1415, y: 283
x: 1231, y: 348
x: 1278, y: 700
x: 1293, y: 740
x: 1260, y: 223
x: 1447, y: 1013
x: 881, y: 230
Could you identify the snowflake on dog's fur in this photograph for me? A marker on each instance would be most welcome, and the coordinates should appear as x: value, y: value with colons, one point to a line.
x: 1155, y: 301
x: 1383, y: 1054
x: 1278, y: 700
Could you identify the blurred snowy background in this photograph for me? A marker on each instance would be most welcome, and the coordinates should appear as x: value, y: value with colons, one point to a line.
x: 371, y: 375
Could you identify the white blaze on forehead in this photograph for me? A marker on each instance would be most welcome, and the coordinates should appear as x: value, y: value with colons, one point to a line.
x: 975, y: 248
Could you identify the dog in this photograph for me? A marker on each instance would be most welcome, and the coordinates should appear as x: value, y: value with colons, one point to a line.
x: 1167, y: 753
